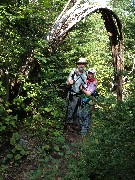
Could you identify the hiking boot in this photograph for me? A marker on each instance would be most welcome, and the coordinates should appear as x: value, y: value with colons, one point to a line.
x: 69, y: 127
x: 77, y: 128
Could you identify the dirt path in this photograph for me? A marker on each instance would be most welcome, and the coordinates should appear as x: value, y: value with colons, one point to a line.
x: 31, y: 163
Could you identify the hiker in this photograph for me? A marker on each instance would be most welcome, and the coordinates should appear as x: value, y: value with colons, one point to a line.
x: 76, y: 78
x: 89, y: 89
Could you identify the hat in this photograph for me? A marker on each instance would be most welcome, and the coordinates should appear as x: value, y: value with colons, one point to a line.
x: 82, y: 60
x: 92, y: 70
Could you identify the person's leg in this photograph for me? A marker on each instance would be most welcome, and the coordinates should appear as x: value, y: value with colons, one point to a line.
x: 71, y: 119
x: 85, y: 119
x: 79, y: 113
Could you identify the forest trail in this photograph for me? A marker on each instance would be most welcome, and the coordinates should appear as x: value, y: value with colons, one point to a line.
x: 30, y: 163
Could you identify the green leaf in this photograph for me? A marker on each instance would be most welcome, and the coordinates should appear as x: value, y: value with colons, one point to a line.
x: 23, y: 152
x: 48, y: 109
x: 61, y: 153
x: 46, y: 147
x: 18, y: 147
x: 61, y: 139
x: 2, y: 128
x: 9, y: 156
x: 46, y: 159
x: 18, y: 156
x: 56, y: 148
x: 68, y: 152
x: 16, y: 136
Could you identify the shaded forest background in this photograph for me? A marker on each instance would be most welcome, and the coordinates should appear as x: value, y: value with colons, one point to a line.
x: 33, y: 95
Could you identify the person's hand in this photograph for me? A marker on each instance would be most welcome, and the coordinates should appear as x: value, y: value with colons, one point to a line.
x: 71, y: 82
x: 81, y: 87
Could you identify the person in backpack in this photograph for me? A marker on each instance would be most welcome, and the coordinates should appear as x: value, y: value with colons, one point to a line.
x: 88, y: 89
x: 76, y: 78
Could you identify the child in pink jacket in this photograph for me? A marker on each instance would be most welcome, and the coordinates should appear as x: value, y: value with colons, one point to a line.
x: 88, y: 89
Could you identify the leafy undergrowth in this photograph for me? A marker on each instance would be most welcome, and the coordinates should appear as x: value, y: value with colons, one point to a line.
x: 39, y: 160
x: 107, y: 152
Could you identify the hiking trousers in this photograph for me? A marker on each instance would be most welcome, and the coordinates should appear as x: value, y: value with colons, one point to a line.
x: 74, y: 109
x: 85, y: 118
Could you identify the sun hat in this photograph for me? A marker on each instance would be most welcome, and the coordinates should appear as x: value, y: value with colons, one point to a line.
x: 82, y: 60
x: 92, y: 70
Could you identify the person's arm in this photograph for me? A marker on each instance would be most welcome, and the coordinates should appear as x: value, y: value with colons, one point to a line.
x: 89, y: 90
x: 70, y: 79
x: 88, y: 93
x: 95, y: 82
x: 70, y: 82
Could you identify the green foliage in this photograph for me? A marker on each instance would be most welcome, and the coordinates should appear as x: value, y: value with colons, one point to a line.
x: 17, y: 151
x: 33, y: 93
x: 108, y: 151
x: 125, y: 10
x: 7, y: 121
x: 49, y: 164
x: 23, y: 95
x: 15, y: 154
